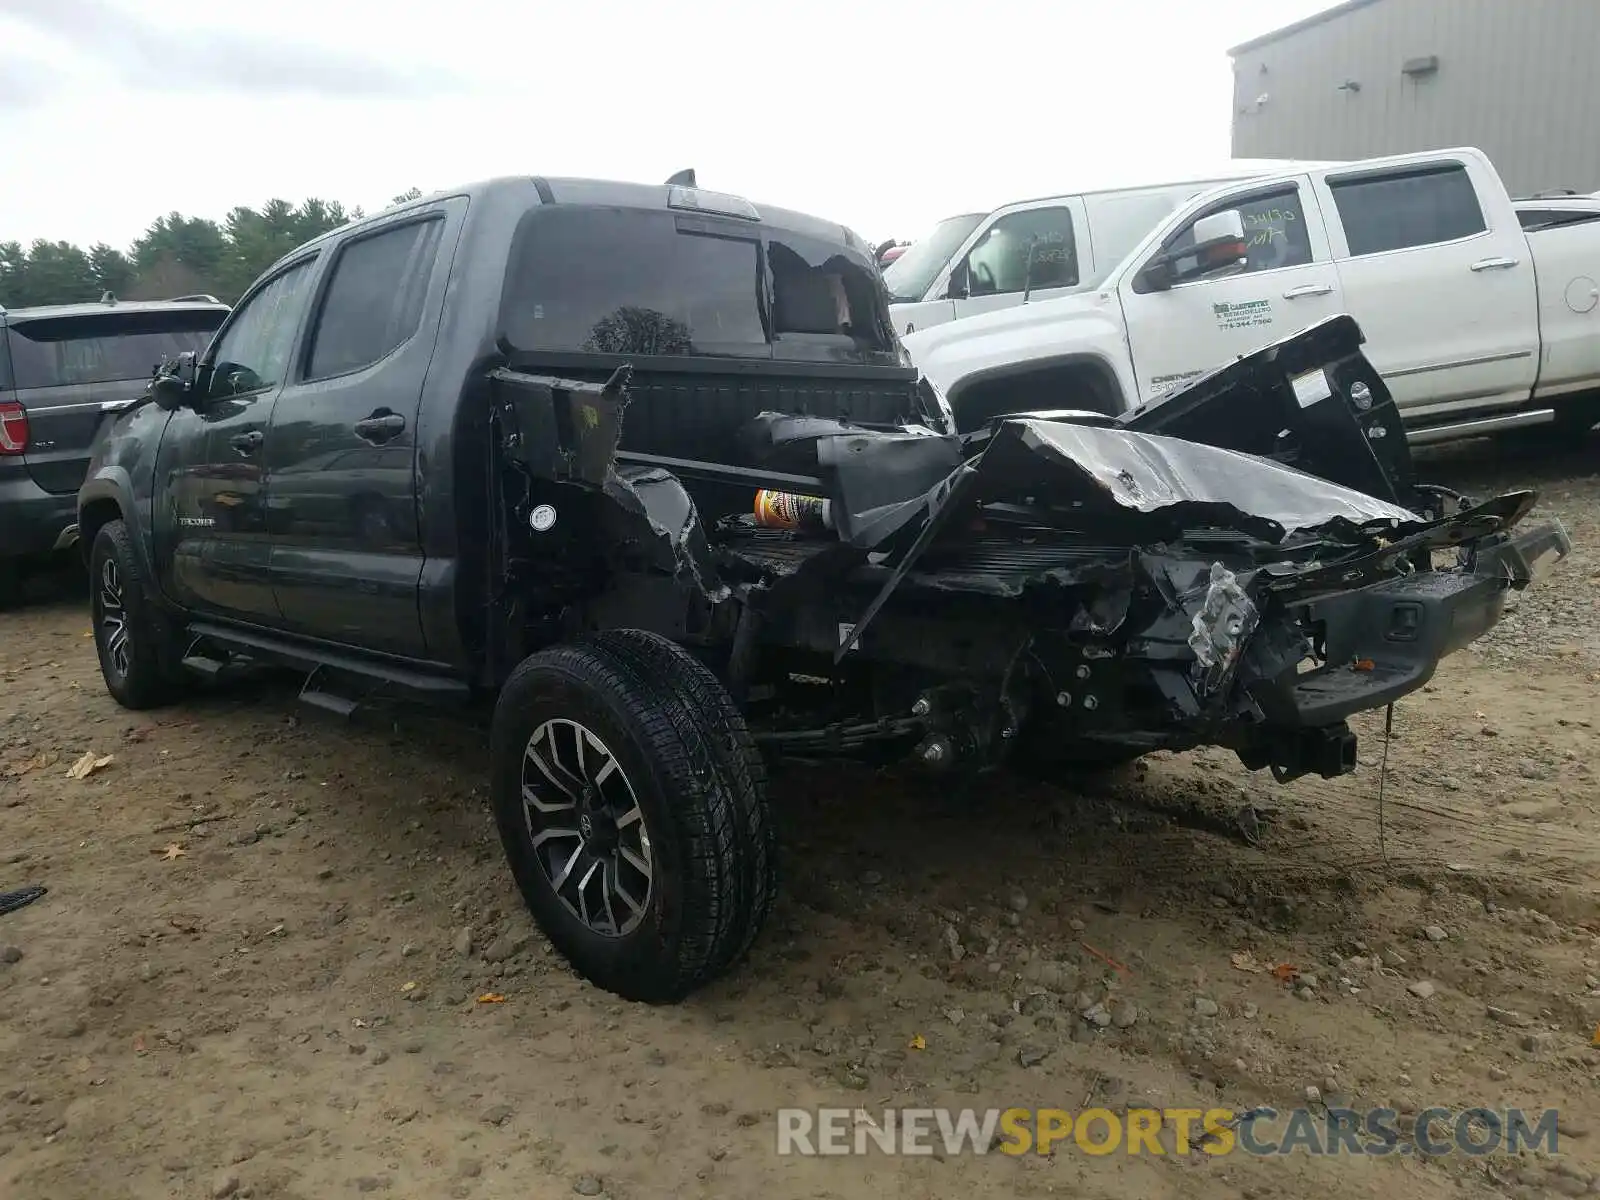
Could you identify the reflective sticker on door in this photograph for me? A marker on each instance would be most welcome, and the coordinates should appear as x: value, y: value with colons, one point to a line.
x: 1245, y: 314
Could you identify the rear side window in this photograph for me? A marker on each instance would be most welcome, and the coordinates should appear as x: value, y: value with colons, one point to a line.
x: 1401, y: 209
x: 372, y: 303
x: 105, y: 347
x: 622, y: 281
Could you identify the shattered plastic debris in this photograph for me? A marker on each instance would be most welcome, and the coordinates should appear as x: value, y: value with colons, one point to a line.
x: 1224, y: 623
x: 89, y: 764
x: 41, y: 760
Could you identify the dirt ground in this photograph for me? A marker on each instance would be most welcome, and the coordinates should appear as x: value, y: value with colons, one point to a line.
x: 257, y: 969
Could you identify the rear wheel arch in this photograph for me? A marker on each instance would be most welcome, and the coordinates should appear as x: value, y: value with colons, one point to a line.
x: 94, y: 516
x: 1077, y: 381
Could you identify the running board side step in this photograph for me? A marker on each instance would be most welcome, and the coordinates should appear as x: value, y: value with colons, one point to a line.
x: 341, y: 706
x: 1479, y: 427
x: 311, y: 659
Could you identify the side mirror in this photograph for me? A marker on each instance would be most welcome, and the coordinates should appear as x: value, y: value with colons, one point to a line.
x: 1219, y: 243
x: 173, y: 385
x: 1219, y: 239
x: 959, y: 288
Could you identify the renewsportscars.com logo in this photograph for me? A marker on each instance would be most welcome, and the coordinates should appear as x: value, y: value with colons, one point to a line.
x: 1260, y: 1132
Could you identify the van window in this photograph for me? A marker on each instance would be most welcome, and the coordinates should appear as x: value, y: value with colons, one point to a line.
x: 105, y: 347
x: 909, y: 277
x: 1033, y: 248
x: 1421, y: 206
x: 1274, y: 229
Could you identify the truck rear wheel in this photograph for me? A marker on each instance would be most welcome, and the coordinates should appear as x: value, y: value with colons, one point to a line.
x: 133, y: 641
x: 632, y: 808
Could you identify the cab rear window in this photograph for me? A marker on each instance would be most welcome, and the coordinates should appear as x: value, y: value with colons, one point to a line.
x: 634, y: 282
x: 104, y: 347
x: 608, y: 281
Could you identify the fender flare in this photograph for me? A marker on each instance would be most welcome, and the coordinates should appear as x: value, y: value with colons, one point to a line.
x: 1101, y: 367
x: 105, y: 496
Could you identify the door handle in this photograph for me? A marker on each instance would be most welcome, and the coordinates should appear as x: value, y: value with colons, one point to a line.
x: 380, y: 426
x: 1495, y: 264
x: 1310, y: 289
x: 247, y: 443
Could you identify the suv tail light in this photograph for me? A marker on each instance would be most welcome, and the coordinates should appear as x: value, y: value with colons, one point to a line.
x: 13, y: 428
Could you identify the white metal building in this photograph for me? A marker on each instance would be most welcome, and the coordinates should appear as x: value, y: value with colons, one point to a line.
x: 1519, y: 79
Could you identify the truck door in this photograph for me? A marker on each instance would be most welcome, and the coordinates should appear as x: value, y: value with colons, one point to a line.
x: 1287, y: 282
x: 1032, y: 252
x: 1441, y: 282
x: 341, y: 451
x: 212, y: 552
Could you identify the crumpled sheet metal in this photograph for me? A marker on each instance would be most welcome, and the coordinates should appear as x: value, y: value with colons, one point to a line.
x: 656, y: 497
x: 567, y: 431
x: 1191, y: 483
x: 1220, y: 630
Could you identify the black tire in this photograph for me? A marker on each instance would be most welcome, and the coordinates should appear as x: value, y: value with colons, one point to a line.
x: 142, y: 671
x: 739, y: 758
x: 651, y: 713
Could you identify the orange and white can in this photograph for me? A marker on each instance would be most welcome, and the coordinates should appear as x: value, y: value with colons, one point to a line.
x: 785, y: 510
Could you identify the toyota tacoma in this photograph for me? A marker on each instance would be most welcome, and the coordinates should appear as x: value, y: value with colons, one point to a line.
x: 647, y: 468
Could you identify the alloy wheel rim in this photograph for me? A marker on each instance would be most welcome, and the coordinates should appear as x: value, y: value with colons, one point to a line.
x: 586, y: 828
x: 113, y: 617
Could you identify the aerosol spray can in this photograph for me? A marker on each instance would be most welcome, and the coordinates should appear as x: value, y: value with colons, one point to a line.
x: 785, y: 510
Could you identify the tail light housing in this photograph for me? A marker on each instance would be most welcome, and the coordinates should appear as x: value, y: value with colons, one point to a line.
x: 13, y: 428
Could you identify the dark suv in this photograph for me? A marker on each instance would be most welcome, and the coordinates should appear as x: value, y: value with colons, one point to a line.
x: 64, y: 370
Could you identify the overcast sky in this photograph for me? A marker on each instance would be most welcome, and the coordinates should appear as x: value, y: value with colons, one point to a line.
x: 883, y: 114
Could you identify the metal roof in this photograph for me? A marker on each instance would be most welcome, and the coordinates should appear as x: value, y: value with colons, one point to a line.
x: 1327, y: 14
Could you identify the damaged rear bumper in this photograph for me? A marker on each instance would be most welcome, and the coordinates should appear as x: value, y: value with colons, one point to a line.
x: 1384, y: 642
x: 1373, y: 647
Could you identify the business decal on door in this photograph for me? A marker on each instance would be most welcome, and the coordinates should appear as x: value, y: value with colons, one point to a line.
x: 1245, y: 314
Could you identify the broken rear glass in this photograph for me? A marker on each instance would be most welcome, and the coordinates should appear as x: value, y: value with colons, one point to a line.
x: 819, y: 291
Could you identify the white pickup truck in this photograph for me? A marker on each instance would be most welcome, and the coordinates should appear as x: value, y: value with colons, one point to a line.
x: 1481, y: 313
x: 1036, y: 249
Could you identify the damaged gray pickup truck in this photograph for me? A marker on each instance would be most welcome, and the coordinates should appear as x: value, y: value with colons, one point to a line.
x: 647, y: 468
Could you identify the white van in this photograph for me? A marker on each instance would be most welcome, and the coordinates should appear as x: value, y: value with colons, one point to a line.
x: 980, y: 262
